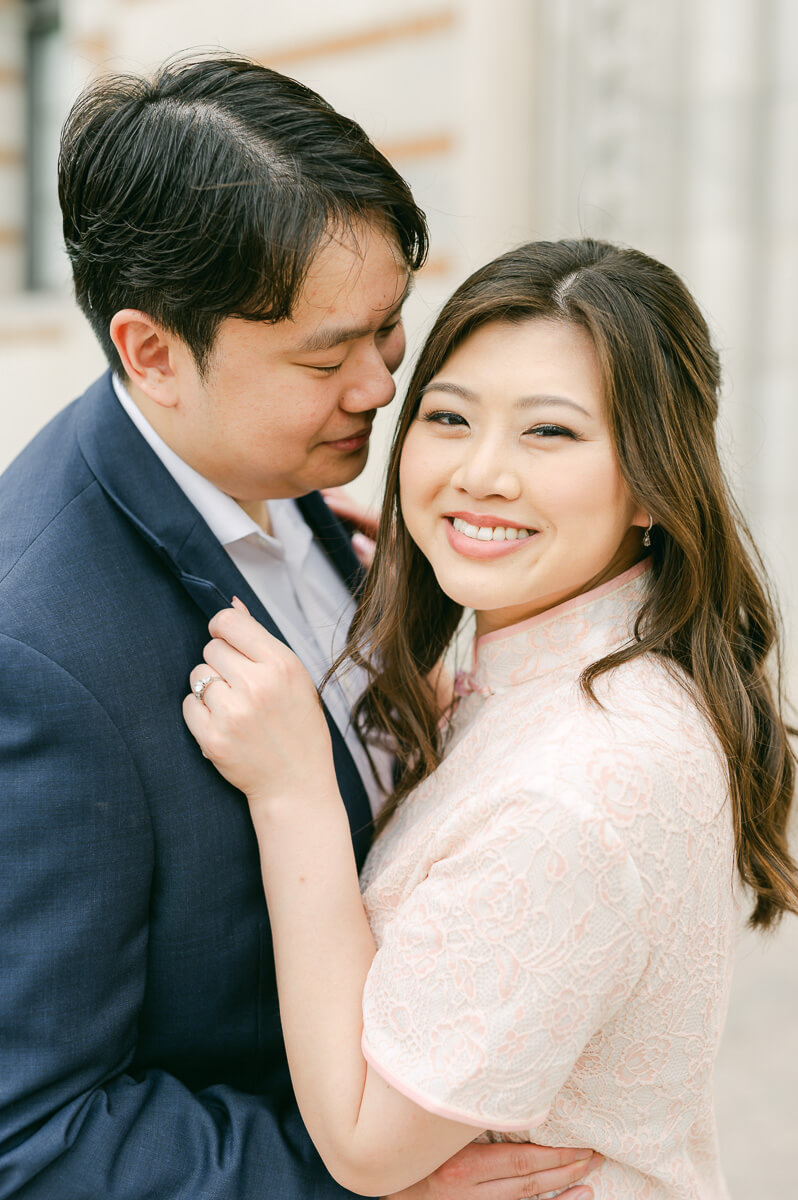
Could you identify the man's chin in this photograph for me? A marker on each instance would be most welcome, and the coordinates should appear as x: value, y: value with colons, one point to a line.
x: 336, y: 471
x: 347, y: 468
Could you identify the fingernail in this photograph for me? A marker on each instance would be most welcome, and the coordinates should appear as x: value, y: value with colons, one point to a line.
x: 581, y: 1154
x: 595, y: 1161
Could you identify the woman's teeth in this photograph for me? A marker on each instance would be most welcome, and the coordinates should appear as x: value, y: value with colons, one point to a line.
x: 487, y: 533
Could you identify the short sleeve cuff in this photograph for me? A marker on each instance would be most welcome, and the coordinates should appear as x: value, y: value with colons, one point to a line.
x: 449, y: 1109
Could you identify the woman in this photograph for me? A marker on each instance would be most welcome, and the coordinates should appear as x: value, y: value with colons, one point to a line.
x: 544, y: 940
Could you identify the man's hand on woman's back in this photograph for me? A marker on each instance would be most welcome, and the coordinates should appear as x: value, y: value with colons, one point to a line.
x: 507, y: 1171
x: 362, y: 522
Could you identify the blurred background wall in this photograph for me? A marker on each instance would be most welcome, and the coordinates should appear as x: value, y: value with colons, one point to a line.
x: 671, y: 125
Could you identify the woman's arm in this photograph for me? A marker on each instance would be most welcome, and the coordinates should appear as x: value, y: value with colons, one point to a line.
x: 372, y: 1139
x: 263, y: 727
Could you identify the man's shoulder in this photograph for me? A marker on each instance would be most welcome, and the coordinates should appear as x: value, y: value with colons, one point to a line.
x: 44, y: 477
x: 51, y: 509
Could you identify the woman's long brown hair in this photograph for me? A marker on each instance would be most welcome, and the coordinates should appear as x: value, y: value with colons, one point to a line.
x: 707, y: 610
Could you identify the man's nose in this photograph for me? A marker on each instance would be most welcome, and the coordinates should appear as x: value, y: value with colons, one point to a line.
x: 370, y: 384
x: 487, y: 470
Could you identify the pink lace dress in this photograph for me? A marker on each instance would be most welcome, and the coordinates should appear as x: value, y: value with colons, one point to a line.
x: 555, y: 909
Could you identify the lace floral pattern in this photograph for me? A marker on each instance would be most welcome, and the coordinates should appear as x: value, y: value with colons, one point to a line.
x: 554, y: 909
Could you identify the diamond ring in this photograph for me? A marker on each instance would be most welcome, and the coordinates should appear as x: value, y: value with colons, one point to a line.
x: 200, y: 687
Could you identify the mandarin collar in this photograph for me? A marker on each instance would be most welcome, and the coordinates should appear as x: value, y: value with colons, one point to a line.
x: 573, y: 634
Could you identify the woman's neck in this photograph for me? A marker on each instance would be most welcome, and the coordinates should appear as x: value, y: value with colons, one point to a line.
x: 502, y: 618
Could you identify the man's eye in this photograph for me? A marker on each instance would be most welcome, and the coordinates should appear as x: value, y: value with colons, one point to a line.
x: 326, y: 370
x: 444, y: 417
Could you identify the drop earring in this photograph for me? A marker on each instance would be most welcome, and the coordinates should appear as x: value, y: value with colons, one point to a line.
x: 647, y: 534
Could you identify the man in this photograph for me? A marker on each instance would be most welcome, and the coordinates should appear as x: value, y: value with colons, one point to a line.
x: 242, y: 253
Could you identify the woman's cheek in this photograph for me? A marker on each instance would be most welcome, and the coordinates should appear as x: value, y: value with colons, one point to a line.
x: 583, y: 488
x: 412, y: 468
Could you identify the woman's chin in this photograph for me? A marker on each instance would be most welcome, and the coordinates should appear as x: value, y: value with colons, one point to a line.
x: 475, y: 595
x: 457, y: 591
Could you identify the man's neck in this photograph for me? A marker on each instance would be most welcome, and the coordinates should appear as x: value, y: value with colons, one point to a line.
x: 258, y: 510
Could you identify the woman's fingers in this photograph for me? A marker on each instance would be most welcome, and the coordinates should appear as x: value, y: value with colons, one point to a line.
x: 216, y: 680
x: 198, y: 718
x: 259, y: 667
x: 223, y: 659
x: 259, y: 718
x: 240, y: 630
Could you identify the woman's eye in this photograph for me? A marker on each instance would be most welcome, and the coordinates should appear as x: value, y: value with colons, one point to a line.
x: 550, y: 431
x: 387, y: 330
x: 446, y: 418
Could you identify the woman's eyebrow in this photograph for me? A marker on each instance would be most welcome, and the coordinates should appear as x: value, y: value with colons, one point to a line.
x: 538, y: 401
x: 545, y: 401
x: 439, y: 385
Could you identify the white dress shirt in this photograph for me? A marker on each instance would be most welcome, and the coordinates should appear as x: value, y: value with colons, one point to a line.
x: 294, y: 579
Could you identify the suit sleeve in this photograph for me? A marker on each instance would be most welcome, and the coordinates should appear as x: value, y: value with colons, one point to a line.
x: 75, y: 872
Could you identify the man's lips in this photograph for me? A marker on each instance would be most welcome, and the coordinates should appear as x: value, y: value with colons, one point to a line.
x: 354, y: 441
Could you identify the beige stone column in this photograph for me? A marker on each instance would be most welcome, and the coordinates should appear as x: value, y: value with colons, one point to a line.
x: 12, y: 148
x: 773, y: 404
x: 497, y: 89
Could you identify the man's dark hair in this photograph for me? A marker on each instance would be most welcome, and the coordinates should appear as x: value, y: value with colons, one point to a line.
x: 206, y: 192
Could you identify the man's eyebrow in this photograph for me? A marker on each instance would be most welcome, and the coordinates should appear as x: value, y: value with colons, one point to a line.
x: 538, y: 401
x: 334, y: 335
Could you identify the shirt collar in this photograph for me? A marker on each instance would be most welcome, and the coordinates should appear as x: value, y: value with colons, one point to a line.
x: 569, y: 636
x: 226, y: 520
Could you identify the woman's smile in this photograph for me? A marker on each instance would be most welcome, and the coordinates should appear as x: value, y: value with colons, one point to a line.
x: 478, y: 536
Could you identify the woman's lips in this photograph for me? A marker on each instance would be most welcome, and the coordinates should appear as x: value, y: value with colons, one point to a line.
x: 472, y: 547
x: 486, y: 521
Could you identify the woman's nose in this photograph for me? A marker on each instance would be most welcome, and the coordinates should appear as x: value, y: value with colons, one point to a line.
x: 487, y: 470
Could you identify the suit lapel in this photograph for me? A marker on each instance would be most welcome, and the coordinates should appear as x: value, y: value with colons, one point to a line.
x: 333, y: 539
x: 137, y: 482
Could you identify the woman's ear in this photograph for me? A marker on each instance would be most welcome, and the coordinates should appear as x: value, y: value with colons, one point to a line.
x: 644, y: 520
x: 642, y: 517
x: 146, y: 351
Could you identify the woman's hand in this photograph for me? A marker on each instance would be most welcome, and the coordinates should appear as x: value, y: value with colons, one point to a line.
x: 260, y: 720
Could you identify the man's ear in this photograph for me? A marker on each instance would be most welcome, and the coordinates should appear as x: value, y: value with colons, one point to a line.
x: 147, y: 354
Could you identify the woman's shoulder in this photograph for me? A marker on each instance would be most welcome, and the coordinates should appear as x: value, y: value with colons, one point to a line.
x: 644, y: 738
x: 650, y: 705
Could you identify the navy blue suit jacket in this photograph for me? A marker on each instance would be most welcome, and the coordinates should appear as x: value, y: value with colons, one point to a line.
x: 141, y: 1055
